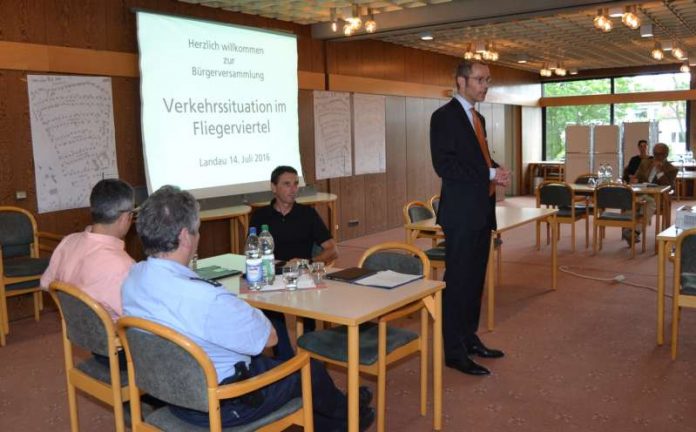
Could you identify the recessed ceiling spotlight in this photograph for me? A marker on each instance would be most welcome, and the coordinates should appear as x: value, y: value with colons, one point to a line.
x: 646, y: 31
x: 522, y: 59
x: 426, y: 36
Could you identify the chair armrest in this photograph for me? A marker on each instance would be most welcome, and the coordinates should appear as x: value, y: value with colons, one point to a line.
x: 402, y: 312
x: 277, y: 373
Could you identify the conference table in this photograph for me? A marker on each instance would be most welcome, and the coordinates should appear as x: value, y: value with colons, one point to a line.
x: 238, y: 217
x: 351, y: 305
x: 508, y: 218
x: 312, y: 200
x: 659, y: 193
x: 665, y: 240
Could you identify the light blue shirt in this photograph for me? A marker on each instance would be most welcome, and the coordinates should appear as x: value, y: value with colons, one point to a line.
x: 228, y: 329
x: 467, y: 109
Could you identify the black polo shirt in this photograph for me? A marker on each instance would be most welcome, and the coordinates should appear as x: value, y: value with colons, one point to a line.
x: 295, y: 233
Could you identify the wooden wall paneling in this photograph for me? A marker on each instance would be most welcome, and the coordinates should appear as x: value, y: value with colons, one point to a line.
x: 306, y: 130
x: 395, y: 63
x: 121, y: 26
x: 375, y: 203
x: 214, y: 240
x: 429, y: 106
x: 7, y: 139
x: 76, y: 23
x: 129, y: 151
x: 26, y: 22
x: 417, y: 152
x: 397, y: 170
x: 414, y: 66
x: 352, y: 206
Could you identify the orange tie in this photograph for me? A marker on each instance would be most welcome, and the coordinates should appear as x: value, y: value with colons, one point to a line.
x: 478, y: 127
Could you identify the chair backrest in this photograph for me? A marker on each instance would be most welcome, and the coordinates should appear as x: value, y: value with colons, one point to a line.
x: 434, y: 203
x: 416, y: 211
x: 87, y: 324
x: 166, y: 364
x: 17, y: 232
x: 556, y: 194
x: 615, y: 196
x: 685, y: 258
x: 585, y: 178
x: 399, y: 257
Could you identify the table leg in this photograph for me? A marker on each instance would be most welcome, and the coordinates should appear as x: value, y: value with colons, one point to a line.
x: 658, y: 211
x: 353, y: 379
x: 490, y: 282
x: 661, y: 292
x: 554, y: 247
x: 437, y: 362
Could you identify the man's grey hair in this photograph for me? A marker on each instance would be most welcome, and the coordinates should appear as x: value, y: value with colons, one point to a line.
x: 109, y: 199
x: 162, y: 217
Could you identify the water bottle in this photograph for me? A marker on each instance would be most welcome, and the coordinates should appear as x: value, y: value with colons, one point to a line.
x: 252, y: 250
x: 609, y: 172
x: 601, y: 174
x: 267, y: 257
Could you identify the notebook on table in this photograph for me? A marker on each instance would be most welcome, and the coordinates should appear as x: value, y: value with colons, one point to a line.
x: 350, y: 274
x: 215, y: 272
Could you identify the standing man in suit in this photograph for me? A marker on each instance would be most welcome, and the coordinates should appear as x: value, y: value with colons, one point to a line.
x: 467, y: 212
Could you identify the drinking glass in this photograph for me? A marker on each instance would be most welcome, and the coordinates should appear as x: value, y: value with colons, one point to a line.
x: 318, y: 271
x: 290, y: 277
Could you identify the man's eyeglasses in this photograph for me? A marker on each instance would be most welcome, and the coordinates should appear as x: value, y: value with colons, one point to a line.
x: 481, y: 80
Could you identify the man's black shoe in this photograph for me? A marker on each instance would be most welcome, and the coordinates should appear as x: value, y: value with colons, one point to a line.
x: 468, y: 366
x: 365, y: 396
x: 367, y: 417
x: 482, y: 351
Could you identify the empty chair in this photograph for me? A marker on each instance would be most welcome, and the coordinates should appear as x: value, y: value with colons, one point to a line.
x: 560, y: 196
x: 434, y: 203
x: 415, y: 211
x: 684, y: 292
x: 616, y: 206
x: 174, y: 369
x: 87, y: 325
x: 20, y: 265
x: 380, y: 345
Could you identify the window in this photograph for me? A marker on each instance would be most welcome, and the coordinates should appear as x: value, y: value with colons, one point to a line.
x: 648, y: 83
x: 670, y: 115
x: 578, y: 88
x: 557, y: 118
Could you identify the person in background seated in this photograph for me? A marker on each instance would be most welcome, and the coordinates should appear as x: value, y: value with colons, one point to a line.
x: 656, y: 170
x: 231, y: 332
x: 635, y: 161
x: 94, y: 260
x: 296, y: 229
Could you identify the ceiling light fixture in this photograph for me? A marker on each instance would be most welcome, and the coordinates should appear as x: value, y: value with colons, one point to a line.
x: 601, y: 22
x: 560, y: 70
x: 426, y: 36
x: 630, y: 19
x: 678, y: 52
x: 545, y: 71
x: 573, y: 71
x: 657, y: 52
x: 354, y: 20
x: 684, y: 68
x: 522, y: 58
x: 616, y: 12
x: 370, y: 24
x: 646, y: 30
x: 334, y: 20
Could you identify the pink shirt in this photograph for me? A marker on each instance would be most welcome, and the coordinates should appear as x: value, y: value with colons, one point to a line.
x: 96, y: 263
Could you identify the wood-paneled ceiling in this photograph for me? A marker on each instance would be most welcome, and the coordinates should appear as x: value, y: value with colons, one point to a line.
x: 541, y: 30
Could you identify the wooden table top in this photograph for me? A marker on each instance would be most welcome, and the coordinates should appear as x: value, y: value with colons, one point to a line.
x: 507, y: 218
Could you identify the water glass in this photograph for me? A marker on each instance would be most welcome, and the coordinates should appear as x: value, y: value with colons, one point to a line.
x: 592, y: 182
x: 290, y: 277
x: 318, y: 271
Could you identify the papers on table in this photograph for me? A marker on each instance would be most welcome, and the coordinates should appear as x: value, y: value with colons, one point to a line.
x: 387, y: 279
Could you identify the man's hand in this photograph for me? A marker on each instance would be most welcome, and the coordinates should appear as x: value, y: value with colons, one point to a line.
x: 502, y: 176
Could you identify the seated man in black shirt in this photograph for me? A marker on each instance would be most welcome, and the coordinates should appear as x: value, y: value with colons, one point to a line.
x: 635, y: 161
x: 296, y: 229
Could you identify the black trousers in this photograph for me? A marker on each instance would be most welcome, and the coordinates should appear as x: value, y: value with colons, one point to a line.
x: 329, y: 403
x: 466, y: 258
x: 283, y: 350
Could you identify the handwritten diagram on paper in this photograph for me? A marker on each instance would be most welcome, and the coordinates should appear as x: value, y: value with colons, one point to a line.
x: 332, y: 134
x: 369, y: 133
x: 72, y: 129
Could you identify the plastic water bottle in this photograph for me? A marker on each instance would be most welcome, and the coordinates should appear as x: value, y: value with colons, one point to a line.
x: 601, y: 174
x: 252, y: 250
x: 609, y: 172
x: 267, y: 257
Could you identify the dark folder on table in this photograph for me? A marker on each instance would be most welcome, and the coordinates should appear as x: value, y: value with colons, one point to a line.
x: 350, y: 274
x: 215, y: 272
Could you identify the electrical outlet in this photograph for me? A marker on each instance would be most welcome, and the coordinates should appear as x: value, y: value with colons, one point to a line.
x: 20, y: 195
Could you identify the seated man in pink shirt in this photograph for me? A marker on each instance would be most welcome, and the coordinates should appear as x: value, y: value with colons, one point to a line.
x: 94, y: 259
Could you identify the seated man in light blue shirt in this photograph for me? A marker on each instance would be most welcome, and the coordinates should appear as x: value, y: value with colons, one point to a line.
x: 233, y: 334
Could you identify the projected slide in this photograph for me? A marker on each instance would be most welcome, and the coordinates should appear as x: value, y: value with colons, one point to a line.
x: 219, y: 104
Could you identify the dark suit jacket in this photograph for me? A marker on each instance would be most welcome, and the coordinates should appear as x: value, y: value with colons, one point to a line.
x: 458, y: 160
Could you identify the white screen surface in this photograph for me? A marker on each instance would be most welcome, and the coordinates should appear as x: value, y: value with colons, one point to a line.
x: 219, y: 105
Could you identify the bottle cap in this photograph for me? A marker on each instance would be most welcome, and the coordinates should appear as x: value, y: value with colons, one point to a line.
x: 252, y: 230
x: 264, y: 227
